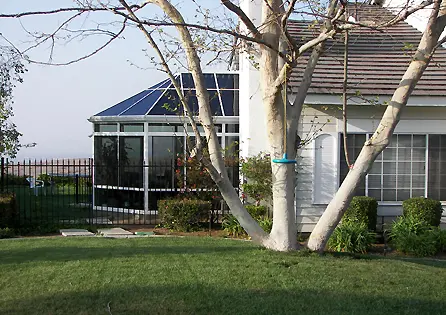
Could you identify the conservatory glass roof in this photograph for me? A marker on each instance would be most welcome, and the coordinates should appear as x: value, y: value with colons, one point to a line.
x: 162, y: 99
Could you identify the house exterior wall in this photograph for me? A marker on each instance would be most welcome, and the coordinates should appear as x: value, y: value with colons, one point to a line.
x: 310, y: 180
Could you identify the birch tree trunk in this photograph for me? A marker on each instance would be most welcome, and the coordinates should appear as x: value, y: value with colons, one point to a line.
x: 381, y: 138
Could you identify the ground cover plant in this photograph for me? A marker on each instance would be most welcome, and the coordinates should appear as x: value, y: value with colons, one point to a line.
x: 208, y: 276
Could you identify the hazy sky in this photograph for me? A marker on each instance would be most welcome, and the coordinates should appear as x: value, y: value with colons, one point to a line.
x: 53, y: 104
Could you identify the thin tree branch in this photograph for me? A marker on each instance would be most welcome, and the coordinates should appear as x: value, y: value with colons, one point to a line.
x: 243, y: 17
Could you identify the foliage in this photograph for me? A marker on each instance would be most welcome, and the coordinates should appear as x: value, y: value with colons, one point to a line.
x: 266, y: 224
x: 352, y: 237
x: 233, y: 228
x: 6, y: 233
x: 11, y: 179
x: 257, y: 171
x: 8, y: 210
x: 11, y: 70
x: 413, y: 236
x: 424, y: 209
x: 362, y: 209
x: 193, y: 178
x: 183, y: 214
x: 256, y: 211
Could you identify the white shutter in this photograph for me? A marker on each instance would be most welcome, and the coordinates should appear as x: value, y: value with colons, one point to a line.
x: 325, y: 168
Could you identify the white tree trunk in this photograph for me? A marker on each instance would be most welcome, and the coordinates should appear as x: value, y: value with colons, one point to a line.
x: 381, y: 138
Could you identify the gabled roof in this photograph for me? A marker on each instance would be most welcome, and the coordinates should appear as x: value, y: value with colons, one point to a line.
x: 162, y: 99
x: 376, y: 62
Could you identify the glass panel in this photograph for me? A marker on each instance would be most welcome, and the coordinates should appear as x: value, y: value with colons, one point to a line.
x: 418, y: 168
x: 376, y: 168
x: 166, y: 127
x: 418, y: 154
x: 404, y: 168
x: 418, y: 181
x: 419, y: 141
x: 389, y: 195
x: 231, y: 159
x: 165, y: 151
x: 232, y: 128
x: 106, y: 160
x: 417, y: 192
x: 375, y: 193
x: 131, y: 160
x: 404, y: 154
x: 389, y: 167
x: 389, y: 154
x: 402, y: 194
x: 105, y: 127
x: 226, y: 81
x: 230, y: 101
x: 168, y: 104
x: 200, y: 129
x: 393, y: 142
x: 389, y: 181
x: 188, y: 82
x: 127, y: 199
x: 132, y: 128
x: 404, y: 181
x: 142, y: 105
x: 404, y: 141
x: 374, y: 181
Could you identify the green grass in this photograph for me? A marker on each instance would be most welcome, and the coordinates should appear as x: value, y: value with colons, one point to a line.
x: 51, y: 207
x: 207, y: 276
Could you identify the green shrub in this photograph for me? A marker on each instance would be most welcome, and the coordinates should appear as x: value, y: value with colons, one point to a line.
x: 6, y: 233
x: 351, y: 237
x: 425, y: 209
x: 8, y: 210
x: 362, y: 209
x: 183, y: 214
x: 266, y: 224
x: 256, y: 211
x: 412, y: 236
x: 231, y: 226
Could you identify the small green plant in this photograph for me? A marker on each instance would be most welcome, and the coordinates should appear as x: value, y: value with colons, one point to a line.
x: 6, y: 233
x: 351, y: 237
x: 413, y: 236
x: 266, y: 224
x: 362, y: 209
x: 8, y: 210
x: 232, y: 226
x: 257, y: 171
x: 424, y: 209
x: 183, y: 214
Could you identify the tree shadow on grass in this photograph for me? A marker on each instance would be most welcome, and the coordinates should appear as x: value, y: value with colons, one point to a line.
x: 115, y: 248
x: 196, y: 298
x: 426, y: 261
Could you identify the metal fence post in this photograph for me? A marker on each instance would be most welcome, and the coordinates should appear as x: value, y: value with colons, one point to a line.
x: 2, y: 179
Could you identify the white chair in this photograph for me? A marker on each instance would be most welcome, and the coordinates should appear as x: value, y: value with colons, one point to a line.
x: 35, y: 184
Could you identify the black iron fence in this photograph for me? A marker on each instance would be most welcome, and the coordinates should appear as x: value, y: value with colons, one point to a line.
x: 78, y: 192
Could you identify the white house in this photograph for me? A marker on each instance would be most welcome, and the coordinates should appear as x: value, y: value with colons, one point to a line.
x: 414, y: 164
x: 137, y: 140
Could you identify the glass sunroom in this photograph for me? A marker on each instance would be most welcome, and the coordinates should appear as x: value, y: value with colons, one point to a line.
x: 137, y: 141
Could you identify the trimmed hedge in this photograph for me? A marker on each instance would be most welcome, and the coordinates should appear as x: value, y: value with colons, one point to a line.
x: 8, y: 210
x: 183, y: 214
x: 362, y: 209
x: 424, y: 209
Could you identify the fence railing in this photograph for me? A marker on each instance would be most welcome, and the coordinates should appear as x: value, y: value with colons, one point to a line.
x: 76, y: 191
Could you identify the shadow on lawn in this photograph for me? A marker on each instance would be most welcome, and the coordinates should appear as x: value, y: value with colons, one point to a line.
x: 196, y: 298
x: 428, y: 261
x: 114, y: 249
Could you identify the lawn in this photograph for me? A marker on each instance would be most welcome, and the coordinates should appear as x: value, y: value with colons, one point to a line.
x: 207, y: 276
